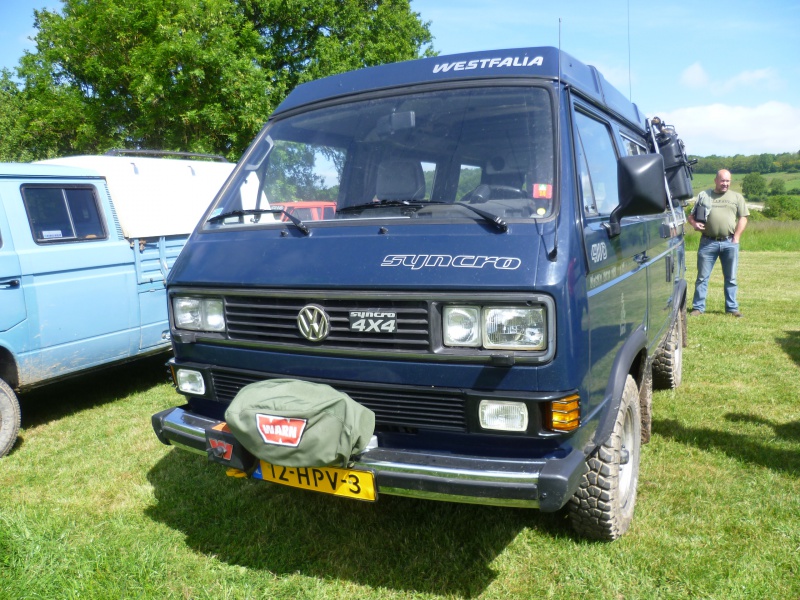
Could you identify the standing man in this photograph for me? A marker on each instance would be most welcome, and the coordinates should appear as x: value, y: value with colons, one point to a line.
x: 722, y: 225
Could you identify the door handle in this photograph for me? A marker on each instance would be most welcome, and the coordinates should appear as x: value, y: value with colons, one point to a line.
x: 11, y: 283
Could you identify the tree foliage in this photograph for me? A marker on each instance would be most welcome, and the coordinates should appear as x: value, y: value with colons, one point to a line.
x: 754, y: 186
x: 777, y: 186
x: 757, y: 163
x: 782, y: 208
x: 197, y: 75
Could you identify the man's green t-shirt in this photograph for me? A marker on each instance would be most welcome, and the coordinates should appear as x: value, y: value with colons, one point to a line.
x: 726, y: 210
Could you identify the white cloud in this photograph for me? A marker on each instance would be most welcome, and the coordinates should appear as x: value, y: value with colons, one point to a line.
x: 725, y: 130
x: 695, y: 76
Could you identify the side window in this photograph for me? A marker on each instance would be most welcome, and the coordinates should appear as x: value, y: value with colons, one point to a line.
x: 61, y: 214
x: 601, y: 162
x: 469, y: 178
x: 633, y: 148
x: 429, y: 170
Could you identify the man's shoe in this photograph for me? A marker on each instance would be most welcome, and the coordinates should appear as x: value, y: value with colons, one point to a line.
x: 697, y: 313
x: 735, y: 313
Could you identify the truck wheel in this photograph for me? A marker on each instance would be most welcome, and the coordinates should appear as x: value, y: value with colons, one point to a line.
x: 602, y: 507
x: 9, y: 418
x: 668, y: 361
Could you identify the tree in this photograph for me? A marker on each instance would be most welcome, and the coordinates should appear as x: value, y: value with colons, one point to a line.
x: 777, y: 186
x: 782, y: 208
x: 200, y: 75
x: 754, y: 186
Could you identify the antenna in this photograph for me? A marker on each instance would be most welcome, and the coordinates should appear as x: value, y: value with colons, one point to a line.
x: 630, y: 87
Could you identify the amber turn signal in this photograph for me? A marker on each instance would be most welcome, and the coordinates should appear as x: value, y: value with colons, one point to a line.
x: 564, y: 414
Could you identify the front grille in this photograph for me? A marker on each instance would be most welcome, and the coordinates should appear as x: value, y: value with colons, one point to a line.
x: 273, y: 320
x: 397, y: 406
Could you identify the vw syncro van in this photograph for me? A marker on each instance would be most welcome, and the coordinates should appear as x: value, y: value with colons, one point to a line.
x: 502, y: 282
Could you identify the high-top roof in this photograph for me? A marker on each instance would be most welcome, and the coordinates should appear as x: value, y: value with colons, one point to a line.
x: 542, y: 63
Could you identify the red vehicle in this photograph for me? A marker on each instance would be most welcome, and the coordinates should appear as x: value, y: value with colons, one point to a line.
x: 310, y: 210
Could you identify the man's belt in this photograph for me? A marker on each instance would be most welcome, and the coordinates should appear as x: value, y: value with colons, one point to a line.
x: 724, y: 238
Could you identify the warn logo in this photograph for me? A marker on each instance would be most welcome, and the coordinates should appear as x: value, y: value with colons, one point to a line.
x: 221, y: 449
x: 280, y: 431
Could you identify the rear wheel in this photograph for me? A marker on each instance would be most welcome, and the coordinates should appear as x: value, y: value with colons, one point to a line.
x: 9, y: 418
x: 668, y: 360
x: 602, y: 507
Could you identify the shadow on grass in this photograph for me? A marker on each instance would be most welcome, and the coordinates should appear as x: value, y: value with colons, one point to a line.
x: 398, y: 543
x: 791, y: 345
x: 741, y: 447
x: 87, y: 390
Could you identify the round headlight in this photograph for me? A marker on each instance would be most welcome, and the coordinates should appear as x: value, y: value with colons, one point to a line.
x: 462, y: 326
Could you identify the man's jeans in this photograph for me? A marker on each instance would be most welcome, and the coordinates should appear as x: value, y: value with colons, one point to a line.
x: 707, y: 254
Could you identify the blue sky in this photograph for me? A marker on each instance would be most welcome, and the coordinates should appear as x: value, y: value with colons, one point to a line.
x: 725, y: 73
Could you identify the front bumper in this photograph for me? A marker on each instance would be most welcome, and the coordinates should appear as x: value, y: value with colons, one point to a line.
x: 546, y: 484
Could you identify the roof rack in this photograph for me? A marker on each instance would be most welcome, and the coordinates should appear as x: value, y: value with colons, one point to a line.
x: 164, y: 153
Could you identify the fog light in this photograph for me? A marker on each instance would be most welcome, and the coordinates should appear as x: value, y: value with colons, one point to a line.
x: 564, y: 415
x: 191, y: 382
x: 503, y: 416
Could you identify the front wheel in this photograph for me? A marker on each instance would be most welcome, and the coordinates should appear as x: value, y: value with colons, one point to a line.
x: 602, y: 507
x: 9, y: 418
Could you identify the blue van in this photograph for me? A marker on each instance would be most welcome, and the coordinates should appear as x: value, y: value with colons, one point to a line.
x: 86, y: 244
x: 502, y: 282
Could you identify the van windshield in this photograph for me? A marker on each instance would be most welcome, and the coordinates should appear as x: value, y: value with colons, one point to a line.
x: 416, y: 156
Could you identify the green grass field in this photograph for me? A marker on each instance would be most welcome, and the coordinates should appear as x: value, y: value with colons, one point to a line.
x: 703, y: 181
x: 93, y: 506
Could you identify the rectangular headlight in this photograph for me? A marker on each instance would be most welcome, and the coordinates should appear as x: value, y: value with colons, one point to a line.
x: 190, y: 382
x: 198, y: 314
x: 503, y: 415
x: 515, y: 328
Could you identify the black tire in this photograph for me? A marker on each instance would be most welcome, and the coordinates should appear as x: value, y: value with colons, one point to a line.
x: 668, y: 360
x: 9, y: 418
x: 602, y: 507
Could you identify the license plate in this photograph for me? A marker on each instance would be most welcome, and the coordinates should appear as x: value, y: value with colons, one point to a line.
x: 328, y: 480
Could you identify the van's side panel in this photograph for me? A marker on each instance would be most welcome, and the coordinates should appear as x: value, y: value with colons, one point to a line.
x: 79, y: 297
x: 12, y: 296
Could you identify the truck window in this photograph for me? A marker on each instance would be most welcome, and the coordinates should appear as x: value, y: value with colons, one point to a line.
x: 597, y: 147
x: 415, y: 156
x: 468, y: 179
x: 300, y: 172
x: 632, y: 148
x: 61, y: 214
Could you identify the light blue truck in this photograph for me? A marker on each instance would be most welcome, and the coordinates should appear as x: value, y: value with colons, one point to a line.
x: 86, y: 244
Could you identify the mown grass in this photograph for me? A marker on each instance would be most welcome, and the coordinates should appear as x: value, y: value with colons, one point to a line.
x: 93, y: 506
x: 761, y: 235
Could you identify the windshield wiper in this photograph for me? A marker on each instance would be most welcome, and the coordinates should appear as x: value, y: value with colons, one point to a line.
x: 260, y: 211
x: 496, y: 221
x: 417, y: 204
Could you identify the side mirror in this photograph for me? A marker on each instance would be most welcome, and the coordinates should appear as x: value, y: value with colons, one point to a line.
x: 642, y: 191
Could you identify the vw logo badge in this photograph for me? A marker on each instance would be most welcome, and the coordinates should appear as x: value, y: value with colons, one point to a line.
x: 313, y: 323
